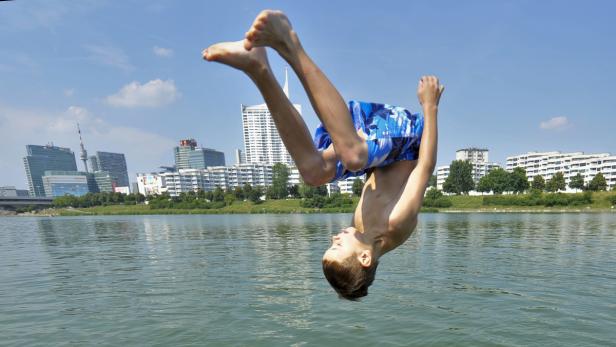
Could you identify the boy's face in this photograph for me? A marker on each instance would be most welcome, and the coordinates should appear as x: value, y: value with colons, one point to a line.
x: 344, y: 245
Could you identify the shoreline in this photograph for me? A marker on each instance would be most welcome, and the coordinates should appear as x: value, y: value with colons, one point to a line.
x: 85, y: 212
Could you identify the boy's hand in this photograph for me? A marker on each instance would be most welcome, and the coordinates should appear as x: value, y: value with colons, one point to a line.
x: 429, y: 91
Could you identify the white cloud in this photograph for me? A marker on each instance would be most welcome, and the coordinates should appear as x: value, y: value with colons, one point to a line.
x: 154, y: 93
x: 144, y: 150
x: 162, y: 52
x: 69, y: 92
x: 555, y: 123
x: 110, y: 56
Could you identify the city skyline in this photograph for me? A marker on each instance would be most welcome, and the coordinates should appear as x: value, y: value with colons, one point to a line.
x: 518, y: 75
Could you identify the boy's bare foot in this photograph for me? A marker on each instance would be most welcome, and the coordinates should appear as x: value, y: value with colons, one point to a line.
x: 272, y: 29
x: 235, y: 55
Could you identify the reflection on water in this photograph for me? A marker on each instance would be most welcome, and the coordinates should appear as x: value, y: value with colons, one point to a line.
x: 461, y: 279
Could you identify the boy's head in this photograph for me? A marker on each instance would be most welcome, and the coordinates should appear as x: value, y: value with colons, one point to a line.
x: 349, y: 265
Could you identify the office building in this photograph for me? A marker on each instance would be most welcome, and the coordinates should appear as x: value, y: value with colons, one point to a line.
x: 188, y: 156
x: 11, y: 191
x: 547, y: 164
x: 239, y: 156
x: 45, y: 158
x: 60, y: 183
x: 200, y: 158
x: 262, y: 143
x: 112, y: 163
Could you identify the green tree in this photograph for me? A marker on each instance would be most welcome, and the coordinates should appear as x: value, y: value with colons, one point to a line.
x: 538, y: 183
x: 518, y: 181
x: 218, y: 194
x: 321, y: 190
x: 597, y: 183
x: 306, y: 191
x: 358, y: 186
x: 432, y: 181
x: 247, y: 189
x: 577, y: 182
x: 485, y: 184
x: 294, y: 191
x: 556, y: 183
x: 435, y: 198
x: 500, y: 180
x: 238, y: 193
x: 255, y: 194
x: 229, y: 199
x: 460, y: 179
x: 269, y: 193
x: 280, y: 181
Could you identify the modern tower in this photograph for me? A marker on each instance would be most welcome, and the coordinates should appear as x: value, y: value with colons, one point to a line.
x: 189, y: 156
x: 83, y: 155
x: 46, y: 158
x: 262, y: 143
x: 112, y: 163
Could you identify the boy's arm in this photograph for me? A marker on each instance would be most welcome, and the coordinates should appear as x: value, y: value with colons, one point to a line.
x: 408, y: 205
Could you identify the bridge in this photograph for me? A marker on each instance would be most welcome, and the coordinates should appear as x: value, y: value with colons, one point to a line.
x: 14, y: 202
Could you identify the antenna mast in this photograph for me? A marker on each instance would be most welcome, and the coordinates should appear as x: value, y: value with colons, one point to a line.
x: 83, y: 155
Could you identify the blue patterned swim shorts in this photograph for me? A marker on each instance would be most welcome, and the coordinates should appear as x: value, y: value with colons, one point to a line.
x: 393, y: 134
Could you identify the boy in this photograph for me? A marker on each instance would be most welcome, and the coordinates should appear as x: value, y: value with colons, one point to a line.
x: 377, y: 139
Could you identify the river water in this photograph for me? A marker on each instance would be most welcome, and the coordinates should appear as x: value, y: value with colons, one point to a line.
x: 256, y: 280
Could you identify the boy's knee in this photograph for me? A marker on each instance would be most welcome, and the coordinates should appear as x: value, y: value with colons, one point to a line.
x: 354, y: 160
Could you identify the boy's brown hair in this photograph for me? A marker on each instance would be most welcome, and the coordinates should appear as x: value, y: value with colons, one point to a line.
x: 349, y: 278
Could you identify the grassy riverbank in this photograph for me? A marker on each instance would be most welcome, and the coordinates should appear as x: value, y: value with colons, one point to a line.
x: 600, y: 203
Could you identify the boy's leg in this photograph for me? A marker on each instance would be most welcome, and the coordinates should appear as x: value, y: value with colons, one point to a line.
x: 273, y: 29
x: 315, y: 167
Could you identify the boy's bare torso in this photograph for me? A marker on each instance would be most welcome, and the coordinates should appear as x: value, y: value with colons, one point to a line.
x: 377, y: 206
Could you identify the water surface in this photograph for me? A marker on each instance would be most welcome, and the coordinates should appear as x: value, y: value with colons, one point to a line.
x: 256, y: 280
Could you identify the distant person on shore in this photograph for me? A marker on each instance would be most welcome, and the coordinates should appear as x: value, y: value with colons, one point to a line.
x: 380, y: 140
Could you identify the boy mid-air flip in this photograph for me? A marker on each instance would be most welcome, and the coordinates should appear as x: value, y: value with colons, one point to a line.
x: 379, y: 140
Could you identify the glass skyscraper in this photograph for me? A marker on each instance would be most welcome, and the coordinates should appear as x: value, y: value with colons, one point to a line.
x: 45, y: 158
x: 189, y: 156
x: 114, y: 164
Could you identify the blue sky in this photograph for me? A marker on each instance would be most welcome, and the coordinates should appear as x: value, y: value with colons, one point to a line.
x: 520, y: 75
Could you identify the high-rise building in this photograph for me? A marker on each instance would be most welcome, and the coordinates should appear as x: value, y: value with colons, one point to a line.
x: 182, y: 153
x: 239, y: 156
x: 262, y: 143
x: 200, y: 158
x: 189, y: 156
x: 94, y: 163
x: 44, y: 158
x: 473, y: 154
x: 478, y: 157
x: 112, y: 163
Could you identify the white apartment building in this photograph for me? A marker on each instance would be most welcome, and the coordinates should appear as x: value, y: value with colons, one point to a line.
x: 187, y: 180
x: 547, y: 164
x: 262, y: 143
x: 473, y: 154
x: 346, y: 186
x: 478, y: 158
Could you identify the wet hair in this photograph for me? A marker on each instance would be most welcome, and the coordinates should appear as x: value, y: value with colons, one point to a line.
x: 349, y: 278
